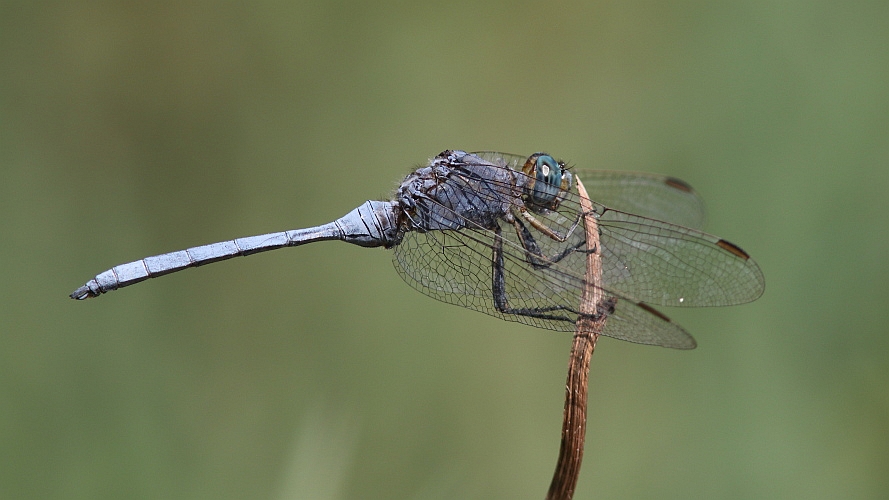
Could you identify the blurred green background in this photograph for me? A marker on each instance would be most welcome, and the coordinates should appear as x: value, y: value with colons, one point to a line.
x: 133, y: 128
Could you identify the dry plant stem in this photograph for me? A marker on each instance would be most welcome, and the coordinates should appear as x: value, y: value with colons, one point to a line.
x: 585, y: 336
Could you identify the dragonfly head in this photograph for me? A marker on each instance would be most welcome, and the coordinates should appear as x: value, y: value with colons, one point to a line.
x: 548, y: 180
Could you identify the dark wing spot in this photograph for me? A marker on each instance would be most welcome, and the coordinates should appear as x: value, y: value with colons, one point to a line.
x: 654, y: 311
x: 731, y: 247
x: 678, y: 184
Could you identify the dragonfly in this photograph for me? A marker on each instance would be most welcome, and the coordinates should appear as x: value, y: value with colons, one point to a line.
x: 503, y: 234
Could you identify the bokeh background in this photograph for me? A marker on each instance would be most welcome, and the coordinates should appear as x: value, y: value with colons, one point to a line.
x: 133, y: 128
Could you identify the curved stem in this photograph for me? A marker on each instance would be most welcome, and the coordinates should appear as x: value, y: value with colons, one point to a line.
x: 585, y: 336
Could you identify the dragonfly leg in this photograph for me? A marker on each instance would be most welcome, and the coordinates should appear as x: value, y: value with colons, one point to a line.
x: 501, y: 301
x: 535, y: 256
x: 543, y: 228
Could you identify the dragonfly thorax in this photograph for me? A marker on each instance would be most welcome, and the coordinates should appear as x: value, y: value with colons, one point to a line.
x: 457, y: 190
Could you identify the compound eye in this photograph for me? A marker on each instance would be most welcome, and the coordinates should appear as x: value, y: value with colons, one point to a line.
x: 547, y: 180
x: 548, y: 170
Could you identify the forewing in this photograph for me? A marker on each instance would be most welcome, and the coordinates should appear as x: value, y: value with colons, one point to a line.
x: 663, y: 264
x: 649, y: 195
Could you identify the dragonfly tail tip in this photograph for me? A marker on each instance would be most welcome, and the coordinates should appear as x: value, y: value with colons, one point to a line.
x: 82, y: 293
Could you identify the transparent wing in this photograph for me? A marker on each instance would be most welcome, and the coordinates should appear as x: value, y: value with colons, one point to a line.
x: 664, y: 264
x: 456, y: 267
x: 654, y: 196
x: 640, y: 323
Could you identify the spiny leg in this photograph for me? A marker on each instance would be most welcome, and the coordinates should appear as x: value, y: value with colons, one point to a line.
x: 535, y: 256
x: 543, y: 228
x: 498, y: 287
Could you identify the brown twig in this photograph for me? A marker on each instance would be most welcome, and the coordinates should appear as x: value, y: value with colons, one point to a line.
x: 585, y: 336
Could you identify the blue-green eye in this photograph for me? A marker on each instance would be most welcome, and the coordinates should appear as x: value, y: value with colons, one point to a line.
x: 547, y: 178
x: 548, y: 170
